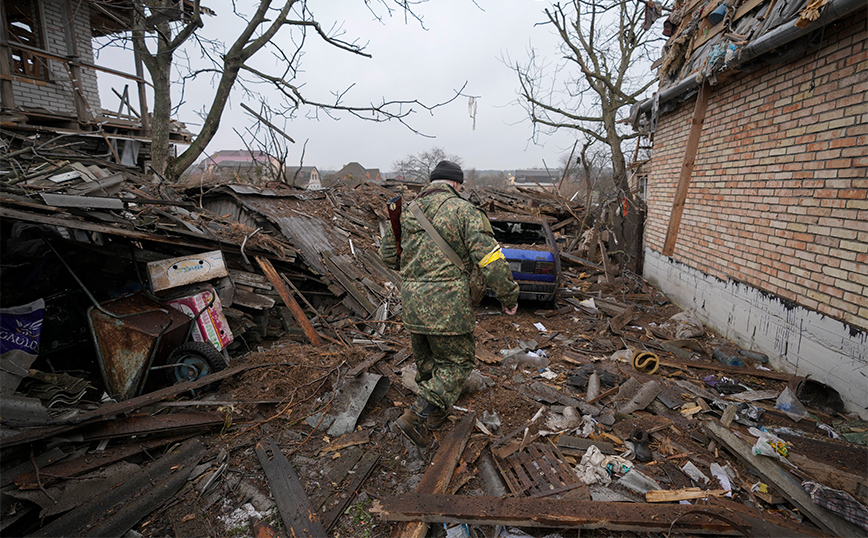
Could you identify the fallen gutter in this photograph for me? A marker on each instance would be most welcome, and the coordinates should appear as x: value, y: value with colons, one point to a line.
x: 783, y: 34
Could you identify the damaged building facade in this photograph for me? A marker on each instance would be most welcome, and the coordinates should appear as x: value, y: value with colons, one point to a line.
x: 48, y: 79
x: 757, y: 195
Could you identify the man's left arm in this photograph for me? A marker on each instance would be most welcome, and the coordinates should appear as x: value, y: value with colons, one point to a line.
x: 485, y: 252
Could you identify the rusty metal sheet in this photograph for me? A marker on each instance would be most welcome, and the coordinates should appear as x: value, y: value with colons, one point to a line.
x: 128, y: 340
x: 310, y: 235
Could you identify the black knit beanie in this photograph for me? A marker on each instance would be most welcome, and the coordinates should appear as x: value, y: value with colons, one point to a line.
x: 447, y: 170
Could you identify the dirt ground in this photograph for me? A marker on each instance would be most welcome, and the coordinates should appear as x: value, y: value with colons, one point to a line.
x: 300, y: 379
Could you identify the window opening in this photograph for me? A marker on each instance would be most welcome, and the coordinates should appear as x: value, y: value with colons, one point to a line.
x: 23, y: 27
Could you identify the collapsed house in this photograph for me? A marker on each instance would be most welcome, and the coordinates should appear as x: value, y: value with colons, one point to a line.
x: 48, y: 80
x: 757, y: 195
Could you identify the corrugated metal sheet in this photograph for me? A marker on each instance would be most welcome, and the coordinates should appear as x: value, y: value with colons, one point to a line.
x: 309, y: 235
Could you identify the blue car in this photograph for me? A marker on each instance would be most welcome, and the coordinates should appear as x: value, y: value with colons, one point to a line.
x: 530, y: 248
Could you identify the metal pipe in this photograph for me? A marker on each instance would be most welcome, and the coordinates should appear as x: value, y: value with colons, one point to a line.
x: 783, y: 34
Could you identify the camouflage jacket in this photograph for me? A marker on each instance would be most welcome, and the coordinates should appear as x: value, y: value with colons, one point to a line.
x: 434, y: 292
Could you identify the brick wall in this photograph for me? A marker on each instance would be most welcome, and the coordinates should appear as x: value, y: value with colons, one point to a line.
x: 779, y: 194
x: 56, y: 94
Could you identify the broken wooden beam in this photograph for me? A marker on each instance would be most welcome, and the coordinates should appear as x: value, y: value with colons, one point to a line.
x: 438, y: 475
x: 555, y: 513
x: 105, y: 411
x: 361, y: 473
x: 292, y: 502
x: 293, y: 306
x: 782, y: 481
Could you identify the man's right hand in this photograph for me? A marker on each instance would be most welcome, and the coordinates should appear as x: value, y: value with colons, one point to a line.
x: 510, y: 311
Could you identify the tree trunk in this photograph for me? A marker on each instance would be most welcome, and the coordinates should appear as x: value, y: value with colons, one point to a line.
x: 162, y: 114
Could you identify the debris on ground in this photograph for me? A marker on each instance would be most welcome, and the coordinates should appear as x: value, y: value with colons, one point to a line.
x: 610, y: 409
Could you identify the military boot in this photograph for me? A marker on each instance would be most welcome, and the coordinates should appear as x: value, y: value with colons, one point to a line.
x: 412, y: 421
x: 438, y: 418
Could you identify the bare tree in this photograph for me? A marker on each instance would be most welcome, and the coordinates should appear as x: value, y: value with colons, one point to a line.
x: 603, y: 43
x: 418, y: 167
x: 160, y: 28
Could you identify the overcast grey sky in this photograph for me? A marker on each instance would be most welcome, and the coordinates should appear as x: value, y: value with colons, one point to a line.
x: 464, y: 41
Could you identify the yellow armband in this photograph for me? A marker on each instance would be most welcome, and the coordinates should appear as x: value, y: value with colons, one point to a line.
x: 495, y: 254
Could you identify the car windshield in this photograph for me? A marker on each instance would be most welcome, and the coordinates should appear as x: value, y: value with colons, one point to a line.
x: 519, y: 233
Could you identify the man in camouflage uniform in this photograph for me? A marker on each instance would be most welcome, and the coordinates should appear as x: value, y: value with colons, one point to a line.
x: 435, y: 293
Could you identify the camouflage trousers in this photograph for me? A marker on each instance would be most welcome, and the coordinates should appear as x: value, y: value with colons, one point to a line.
x: 443, y: 363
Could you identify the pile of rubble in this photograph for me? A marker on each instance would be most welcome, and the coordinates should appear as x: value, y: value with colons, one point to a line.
x: 614, y: 410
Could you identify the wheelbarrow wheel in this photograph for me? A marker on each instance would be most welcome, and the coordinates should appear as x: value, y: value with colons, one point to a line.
x: 194, y: 360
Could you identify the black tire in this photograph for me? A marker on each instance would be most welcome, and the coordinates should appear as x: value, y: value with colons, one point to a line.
x: 194, y: 360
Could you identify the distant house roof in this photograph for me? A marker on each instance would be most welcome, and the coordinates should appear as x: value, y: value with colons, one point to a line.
x: 355, y: 173
x: 303, y: 176
x: 233, y: 155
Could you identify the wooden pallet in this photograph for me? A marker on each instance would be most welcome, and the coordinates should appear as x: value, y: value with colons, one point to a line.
x: 537, y: 471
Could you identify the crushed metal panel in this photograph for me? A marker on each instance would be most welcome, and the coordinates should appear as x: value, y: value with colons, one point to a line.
x: 174, y: 272
x: 22, y: 410
x: 349, y: 403
x: 82, y: 202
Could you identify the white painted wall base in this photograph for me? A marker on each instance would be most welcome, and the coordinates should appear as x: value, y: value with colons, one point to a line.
x: 796, y: 339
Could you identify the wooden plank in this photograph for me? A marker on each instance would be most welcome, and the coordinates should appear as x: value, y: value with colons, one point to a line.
x: 737, y: 370
x: 106, y: 411
x: 293, y: 306
x: 579, y: 443
x: 89, y: 462
x: 367, y: 363
x: 439, y: 473
x: 357, y: 437
x: 362, y: 472
x: 853, y: 483
x: 665, y: 495
x: 555, y: 513
x: 252, y: 300
x: 690, y: 150
x: 348, y: 284
x: 782, y: 481
x: 292, y: 502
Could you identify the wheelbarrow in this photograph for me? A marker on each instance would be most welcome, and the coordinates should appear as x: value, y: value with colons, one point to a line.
x: 137, y: 333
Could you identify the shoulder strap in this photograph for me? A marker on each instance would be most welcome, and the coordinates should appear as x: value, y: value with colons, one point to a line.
x: 438, y: 239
